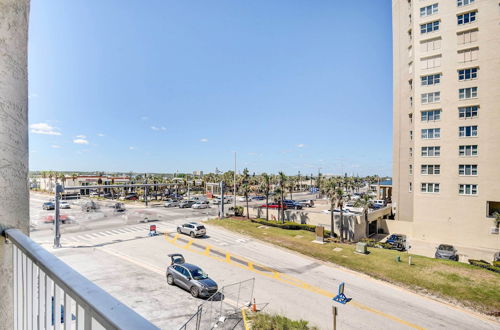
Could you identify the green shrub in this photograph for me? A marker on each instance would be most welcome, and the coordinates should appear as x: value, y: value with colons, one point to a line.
x: 290, y: 225
x: 238, y: 210
x: 264, y: 321
x: 496, y: 263
x: 486, y: 265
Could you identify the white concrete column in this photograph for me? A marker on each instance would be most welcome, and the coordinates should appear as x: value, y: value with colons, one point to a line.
x: 14, y: 192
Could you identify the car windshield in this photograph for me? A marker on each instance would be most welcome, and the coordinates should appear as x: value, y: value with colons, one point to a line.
x: 198, y: 274
x: 446, y: 248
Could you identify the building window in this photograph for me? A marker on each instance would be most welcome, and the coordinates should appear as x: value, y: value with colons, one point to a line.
x: 433, y: 97
x: 467, y: 150
x: 466, y: 18
x: 430, y: 169
x: 410, y: 117
x: 429, y: 27
x: 492, y: 207
x: 410, y: 169
x: 429, y: 187
x: 431, y: 133
x: 431, y: 115
x: 434, y: 151
x: 430, y: 62
x: 467, y: 131
x: 467, y: 74
x: 428, y: 10
x: 410, y: 187
x: 467, y: 169
x: 430, y: 45
x: 411, y: 152
x: 432, y: 79
x: 461, y: 3
x: 467, y: 93
x: 411, y: 135
x: 467, y: 189
x: 467, y: 37
x: 468, y: 112
x: 410, y: 83
x: 468, y: 55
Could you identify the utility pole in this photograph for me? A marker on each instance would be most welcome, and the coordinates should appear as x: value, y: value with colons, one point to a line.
x: 234, y: 181
x: 300, y: 183
x: 57, y: 220
x: 221, y: 210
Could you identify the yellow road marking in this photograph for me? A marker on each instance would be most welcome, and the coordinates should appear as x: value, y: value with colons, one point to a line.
x: 245, y: 321
x: 285, y: 278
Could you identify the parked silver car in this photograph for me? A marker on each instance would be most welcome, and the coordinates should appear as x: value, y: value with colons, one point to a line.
x: 201, y: 205
x: 190, y: 277
x: 193, y: 229
x: 171, y: 203
x: 186, y: 204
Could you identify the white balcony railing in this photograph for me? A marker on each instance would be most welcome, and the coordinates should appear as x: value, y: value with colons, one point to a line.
x: 48, y: 294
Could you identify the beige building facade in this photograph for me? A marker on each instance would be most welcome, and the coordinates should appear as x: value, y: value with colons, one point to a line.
x: 446, y: 130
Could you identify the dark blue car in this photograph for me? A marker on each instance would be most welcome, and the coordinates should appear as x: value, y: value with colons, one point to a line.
x: 290, y: 204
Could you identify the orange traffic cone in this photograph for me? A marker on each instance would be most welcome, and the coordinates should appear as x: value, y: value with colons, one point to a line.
x: 254, y: 306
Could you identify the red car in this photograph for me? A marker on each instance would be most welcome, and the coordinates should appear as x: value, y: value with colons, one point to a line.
x: 50, y: 218
x: 274, y: 206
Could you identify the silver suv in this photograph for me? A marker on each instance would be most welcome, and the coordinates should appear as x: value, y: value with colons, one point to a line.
x: 193, y: 229
x: 190, y: 277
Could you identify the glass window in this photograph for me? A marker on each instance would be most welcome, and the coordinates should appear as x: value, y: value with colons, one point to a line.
x: 467, y: 74
x: 431, y: 115
x: 467, y: 150
x: 428, y: 10
x: 467, y: 169
x: 467, y: 131
x: 430, y: 169
x: 461, y: 3
x: 431, y: 133
x: 430, y: 187
x: 468, y: 112
x: 432, y: 79
x: 467, y: 189
x: 466, y: 18
x: 434, y: 97
x: 434, y: 151
x: 429, y: 27
x: 467, y: 93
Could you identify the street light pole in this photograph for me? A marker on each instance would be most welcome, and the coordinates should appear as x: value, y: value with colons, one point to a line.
x: 57, y: 229
x: 221, y: 210
x: 234, y: 182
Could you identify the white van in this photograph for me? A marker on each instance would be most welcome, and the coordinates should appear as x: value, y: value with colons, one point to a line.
x: 378, y: 202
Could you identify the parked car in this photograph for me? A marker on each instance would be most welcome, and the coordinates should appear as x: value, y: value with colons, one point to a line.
x: 64, y: 205
x: 243, y: 199
x: 274, y: 206
x: 50, y: 218
x: 190, y: 277
x: 291, y: 204
x: 48, y: 206
x: 379, y: 202
x: 306, y: 202
x: 200, y: 205
x: 397, y: 242
x: 217, y: 201
x: 496, y: 256
x: 171, y: 203
x: 90, y: 206
x: 258, y: 198
x: 131, y: 197
x: 375, y: 206
x: 186, y: 204
x: 445, y: 251
x: 192, y: 229
x: 119, y: 207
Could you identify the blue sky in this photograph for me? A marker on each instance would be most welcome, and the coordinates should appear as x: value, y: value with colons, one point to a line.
x: 161, y: 86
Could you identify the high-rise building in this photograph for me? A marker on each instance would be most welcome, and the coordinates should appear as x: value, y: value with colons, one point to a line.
x: 446, y: 139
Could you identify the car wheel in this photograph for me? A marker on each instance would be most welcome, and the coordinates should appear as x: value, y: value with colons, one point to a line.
x: 192, y: 234
x: 179, y: 230
x: 194, y: 291
x: 170, y: 279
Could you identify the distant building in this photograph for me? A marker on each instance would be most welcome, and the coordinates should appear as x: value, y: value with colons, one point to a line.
x: 198, y: 173
x: 48, y: 184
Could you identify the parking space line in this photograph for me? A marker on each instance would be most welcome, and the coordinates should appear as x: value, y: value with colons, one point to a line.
x: 271, y: 273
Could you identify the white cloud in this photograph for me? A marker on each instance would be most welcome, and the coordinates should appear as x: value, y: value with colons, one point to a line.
x: 44, y: 128
x: 55, y: 146
x: 80, y: 141
x: 301, y: 145
x: 81, y: 136
x: 100, y: 134
x: 131, y: 148
x: 156, y: 128
x: 204, y: 140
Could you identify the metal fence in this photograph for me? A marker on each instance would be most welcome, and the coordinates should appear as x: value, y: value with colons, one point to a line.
x: 223, y: 309
x: 48, y: 294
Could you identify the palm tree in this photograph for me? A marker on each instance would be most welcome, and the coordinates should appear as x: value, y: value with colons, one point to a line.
x: 246, y: 187
x: 282, y: 179
x: 265, y: 187
x: 329, y: 189
x: 291, y: 186
x: 339, y: 196
x: 364, y: 202
x: 62, y: 177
